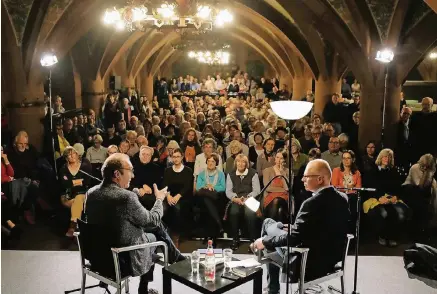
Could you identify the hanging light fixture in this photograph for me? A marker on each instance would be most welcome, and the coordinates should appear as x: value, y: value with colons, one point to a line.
x: 140, y: 14
x: 216, y: 57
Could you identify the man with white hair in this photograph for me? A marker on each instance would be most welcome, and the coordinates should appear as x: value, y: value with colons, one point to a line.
x: 321, y: 225
x: 421, y: 126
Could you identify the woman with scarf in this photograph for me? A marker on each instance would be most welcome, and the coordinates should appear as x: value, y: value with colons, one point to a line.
x: 241, y: 184
x: 210, y: 184
x: 275, y: 201
x: 190, y: 147
x: 267, y: 158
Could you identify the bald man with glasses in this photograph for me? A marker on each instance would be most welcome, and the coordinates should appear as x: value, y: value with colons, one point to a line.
x: 321, y: 225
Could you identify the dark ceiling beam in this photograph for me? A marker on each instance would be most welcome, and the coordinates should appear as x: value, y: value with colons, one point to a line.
x: 397, y: 22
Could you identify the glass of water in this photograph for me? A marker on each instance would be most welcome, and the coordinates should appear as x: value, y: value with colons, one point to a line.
x: 227, y: 256
x: 195, y: 259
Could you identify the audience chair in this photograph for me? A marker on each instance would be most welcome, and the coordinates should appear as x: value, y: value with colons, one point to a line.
x: 96, y: 261
x: 338, y: 271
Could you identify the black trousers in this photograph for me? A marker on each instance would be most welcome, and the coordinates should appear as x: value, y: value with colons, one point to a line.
x: 277, y: 210
x: 418, y: 200
x: 388, y: 219
x: 143, y: 287
x: 161, y: 234
x: 210, y: 205
x: 239, y: 215
x: 178, y: 217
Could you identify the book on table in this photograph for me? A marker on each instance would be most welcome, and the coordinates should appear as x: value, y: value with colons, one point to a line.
x: 243, y: 272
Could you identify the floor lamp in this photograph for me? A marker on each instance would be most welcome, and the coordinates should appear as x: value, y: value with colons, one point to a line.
x: 48, y: 60
x: 290, y: 111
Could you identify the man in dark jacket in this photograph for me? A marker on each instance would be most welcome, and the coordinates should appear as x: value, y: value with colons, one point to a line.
x: 117, y: 210
x: 321, y: 225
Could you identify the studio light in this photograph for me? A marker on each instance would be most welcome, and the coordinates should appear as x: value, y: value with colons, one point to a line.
x: 48, y: 59
x: 385, y: 56
x: 433, y: 55
x: 216, y: 57
x: 291, y: 110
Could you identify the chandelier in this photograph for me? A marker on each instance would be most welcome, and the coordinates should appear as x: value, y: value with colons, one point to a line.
x: 141, y: 14
x: 215, y: 57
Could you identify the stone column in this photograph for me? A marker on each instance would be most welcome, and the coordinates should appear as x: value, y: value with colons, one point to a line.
x: 323, y: 92
x: 94, y: 95
x: 300, y: 86
x: 147, y: 86
x: 203, y: 72
x: 28, y: 118
x: 128, y: 82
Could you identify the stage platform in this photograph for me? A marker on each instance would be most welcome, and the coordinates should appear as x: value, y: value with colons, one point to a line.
x: 57, y: 271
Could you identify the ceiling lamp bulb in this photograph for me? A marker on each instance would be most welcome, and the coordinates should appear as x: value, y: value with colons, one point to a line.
x: 166, y: 11
x: 385, y: 56
x: 433, y: 55
x: 191, y: 54
x: 139, y: 13
x: 223, y: 17
x: 203, y: 12
x: 120, y: 26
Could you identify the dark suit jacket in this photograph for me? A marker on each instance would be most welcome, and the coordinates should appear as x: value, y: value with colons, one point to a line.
x: 321, y: 225
x: 119, y: 212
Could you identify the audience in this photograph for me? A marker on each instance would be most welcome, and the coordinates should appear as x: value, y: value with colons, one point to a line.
x: 333, y: 154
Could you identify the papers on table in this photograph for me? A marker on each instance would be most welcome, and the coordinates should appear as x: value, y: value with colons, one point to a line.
x: 250, y: 262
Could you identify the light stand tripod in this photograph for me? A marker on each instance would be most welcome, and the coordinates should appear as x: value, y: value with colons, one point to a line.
x: 357, y: 233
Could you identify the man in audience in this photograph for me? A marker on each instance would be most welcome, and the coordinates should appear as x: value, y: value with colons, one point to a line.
x: 321, y: 225
x: 111, y: 138
x: 403, y: 139
x: 121, y: 129
x: 420, y: 125
x: 119, y: 212
x: 70, y: 133
x: 333, y: 155
x: 333, y: 113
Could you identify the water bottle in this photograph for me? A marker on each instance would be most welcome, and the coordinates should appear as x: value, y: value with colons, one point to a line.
x: 210, y: 263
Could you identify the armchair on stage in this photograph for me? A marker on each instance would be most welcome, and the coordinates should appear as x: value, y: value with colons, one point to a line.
x: 278, y: 260
x: 94, y: 246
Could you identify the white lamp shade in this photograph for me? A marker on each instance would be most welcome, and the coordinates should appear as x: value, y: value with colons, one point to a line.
x: 291, y: 110
x: 49, y: 60
x: 252, y: 204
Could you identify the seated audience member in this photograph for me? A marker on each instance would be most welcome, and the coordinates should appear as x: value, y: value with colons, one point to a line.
x: 156, y: 133
x: 387, y: 213
x: 171, y: 147
x: 179, y: 180
x: 121, y: 129
x: 267, y: 158
x: 161, y: 149
x: 97, y: 154
x: 58, y: 108
x: 70, y: 133
x: 90, y: 131
x: 210, y: 184
x: 299, y: 158
x: 404, y: 145
x: 256, y: 149
x: 367, y: 163
x: 276, y: 195
x: 190, y: 147
x: 320, y: 140
x: 209, y: 146
x: 111, y: 138
x: 147, y: 173
x: 112, y: 149
x: 241, y: 184
x: 343, y: 142
x: 258, y: 127
x: 307, y: 142
x: 321, y: 225
x: 235, y: 148
x: 237, y: 135
x: 131, y: 138
x: 353, y: 132
x: 124, y: 147
x: 280, y: 134
x: 420, y: 192
x: 23, y: 157
x: 137, y: 224
x: 59, y: 141
x: 74, y: 185
x: 133, y: 123
x: 333, y: 154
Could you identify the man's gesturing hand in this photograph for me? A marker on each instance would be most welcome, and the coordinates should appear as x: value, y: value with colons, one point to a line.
x: 159, y: 194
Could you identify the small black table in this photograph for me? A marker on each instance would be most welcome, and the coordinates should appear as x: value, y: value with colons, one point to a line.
x: 181, y: 272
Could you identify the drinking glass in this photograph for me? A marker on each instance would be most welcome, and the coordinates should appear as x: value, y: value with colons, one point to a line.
x: 195, y: 259
x: 227, y: 256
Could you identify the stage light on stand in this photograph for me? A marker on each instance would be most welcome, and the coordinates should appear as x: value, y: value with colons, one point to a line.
x: 385, y: 56
x: 49, y: 59
x: 433, y: 55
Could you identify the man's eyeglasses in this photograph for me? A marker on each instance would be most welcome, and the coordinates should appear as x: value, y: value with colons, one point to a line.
x: 310, y: 176
x: 334, y: 143
x: 129, y: 169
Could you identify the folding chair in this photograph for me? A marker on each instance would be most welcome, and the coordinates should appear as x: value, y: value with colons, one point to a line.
x: 95, y: 246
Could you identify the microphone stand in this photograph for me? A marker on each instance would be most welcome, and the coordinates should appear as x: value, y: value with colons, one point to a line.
x: 357, y: 233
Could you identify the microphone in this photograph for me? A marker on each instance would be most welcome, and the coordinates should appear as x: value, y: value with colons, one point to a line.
x: 357, y: 189
x: 91, y: 176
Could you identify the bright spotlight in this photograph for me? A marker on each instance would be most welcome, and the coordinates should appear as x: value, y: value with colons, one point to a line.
x: 166, y: 11
x: 385, y: 56
x: 191, y: 54
x: 203, y: 12
x: 112, y: 16
x: 223, y: 17
x: 120, y: 25
x: 139, y: 13
x: 49, y: 59
x: 433, y: 55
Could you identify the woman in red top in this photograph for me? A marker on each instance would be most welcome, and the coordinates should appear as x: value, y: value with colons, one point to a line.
x: 347, y: 175
x: 7, y: 170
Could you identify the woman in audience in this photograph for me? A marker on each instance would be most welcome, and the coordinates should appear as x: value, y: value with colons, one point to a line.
x: 74, y: 184
x: 190, y: 147
x: 347, y: 175
x: 257, y: 149
x: 171, y: 146
x: 276, y: 195
x: 420, y: 192
x: 235, y: 147
x: 210, y: 184
x: 97, y: 154
x: 267, y: 158
x: 179, y: 180
x: 241, y: 184
x: 161, y: 148
x: 209, y: 146
x: 299, y: 159
x: 386, y: 211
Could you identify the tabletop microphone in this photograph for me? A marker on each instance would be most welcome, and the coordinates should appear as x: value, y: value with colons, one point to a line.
x: 357, y: 189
